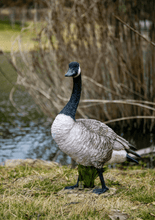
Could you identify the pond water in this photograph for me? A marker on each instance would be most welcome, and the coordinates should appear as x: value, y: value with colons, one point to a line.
x: 27, y: 134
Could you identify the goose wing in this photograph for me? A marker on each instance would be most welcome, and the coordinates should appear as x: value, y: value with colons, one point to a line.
x: 103, y: 130
x: 98, y: 138
x: 104, y: 142
x: 97, y: 127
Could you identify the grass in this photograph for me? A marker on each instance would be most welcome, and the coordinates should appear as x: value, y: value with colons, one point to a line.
x: 8, y: 75
x: 8, y: 34
x: 6, y: 25
x: 36, y: 192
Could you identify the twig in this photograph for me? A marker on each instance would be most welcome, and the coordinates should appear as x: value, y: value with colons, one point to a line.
x: 110, y: 101
x: 11, y: 98
x: 134, y: 30
x: 146, y: 102
x: 127, y: 118
x: 37, y: 89
x: 101, y: 86
x: 56, y: 156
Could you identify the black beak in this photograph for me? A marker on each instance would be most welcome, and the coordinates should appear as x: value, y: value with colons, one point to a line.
x: 70, y: 73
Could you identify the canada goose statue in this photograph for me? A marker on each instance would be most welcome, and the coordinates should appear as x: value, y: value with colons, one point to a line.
x: 87, y: 141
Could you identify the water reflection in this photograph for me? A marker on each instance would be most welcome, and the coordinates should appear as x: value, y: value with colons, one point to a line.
x: 27, y: 134
x: 21, y: 138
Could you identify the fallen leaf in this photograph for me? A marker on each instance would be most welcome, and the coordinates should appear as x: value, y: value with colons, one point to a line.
x: 152, y: 214
x: 115, y: 215
x: 134, y: 208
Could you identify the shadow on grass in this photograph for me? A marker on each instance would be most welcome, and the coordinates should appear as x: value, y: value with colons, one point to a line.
x: 6, y: 25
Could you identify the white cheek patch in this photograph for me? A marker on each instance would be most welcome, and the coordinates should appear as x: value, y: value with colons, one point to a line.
x: 79, y: 72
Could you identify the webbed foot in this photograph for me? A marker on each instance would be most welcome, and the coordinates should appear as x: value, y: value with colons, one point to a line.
x: 71, y: 187
x: 100, y: 191
x: 75, y: 186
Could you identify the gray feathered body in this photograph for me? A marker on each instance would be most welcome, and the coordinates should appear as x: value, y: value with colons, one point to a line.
x: 89, y: 142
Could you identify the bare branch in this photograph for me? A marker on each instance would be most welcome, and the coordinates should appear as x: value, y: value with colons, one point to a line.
x: 129, y: 118
x: 135, y: 31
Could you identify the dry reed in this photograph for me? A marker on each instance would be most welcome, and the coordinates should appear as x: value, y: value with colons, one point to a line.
x: 117, y: 64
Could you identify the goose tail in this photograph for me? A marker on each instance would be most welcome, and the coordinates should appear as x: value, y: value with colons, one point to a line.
x: 122, y: 148
x: 132, y: 146
x: 131, y: 159
x: 132, y: 152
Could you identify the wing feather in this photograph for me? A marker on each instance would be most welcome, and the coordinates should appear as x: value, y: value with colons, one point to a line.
x: 99, y: 140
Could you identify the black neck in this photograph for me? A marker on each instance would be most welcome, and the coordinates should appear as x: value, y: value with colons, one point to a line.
x: 70, y: 108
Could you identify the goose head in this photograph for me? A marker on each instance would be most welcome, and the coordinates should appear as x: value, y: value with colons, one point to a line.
x: 74, y: 70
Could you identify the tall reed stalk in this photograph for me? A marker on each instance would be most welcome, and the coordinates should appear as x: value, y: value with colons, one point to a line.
x: 117, y: 64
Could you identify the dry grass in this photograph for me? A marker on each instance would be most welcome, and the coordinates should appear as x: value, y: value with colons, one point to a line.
x: 35, y: 191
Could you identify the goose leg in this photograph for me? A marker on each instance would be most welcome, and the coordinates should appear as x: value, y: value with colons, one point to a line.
x: 104, y: 188
x: 75, y: 186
